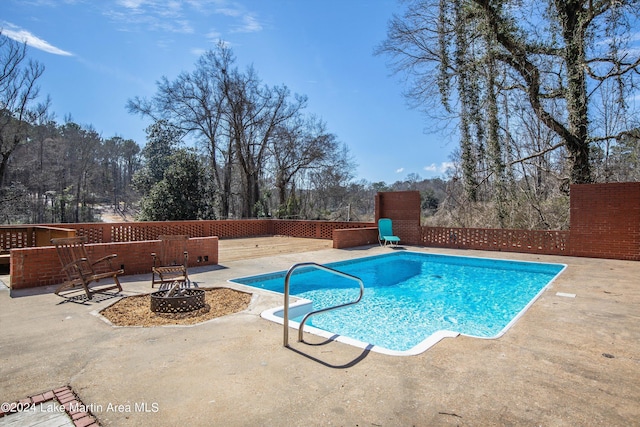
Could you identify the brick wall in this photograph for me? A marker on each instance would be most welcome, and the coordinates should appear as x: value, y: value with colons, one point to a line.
x: 605, y: 223
x: 135, y: 241
x: 403, y: 208
x: 32, y: 267
x: 548, y: 242
x: 605, y: 220
x: 349, y: 238
x: 16, y: 236
x: 139, y: 231
x: 150, y: 230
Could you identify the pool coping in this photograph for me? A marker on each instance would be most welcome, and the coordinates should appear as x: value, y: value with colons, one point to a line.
x: 303, y: 306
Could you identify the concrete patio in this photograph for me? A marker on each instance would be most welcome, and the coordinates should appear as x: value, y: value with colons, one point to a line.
x: 566, y: 362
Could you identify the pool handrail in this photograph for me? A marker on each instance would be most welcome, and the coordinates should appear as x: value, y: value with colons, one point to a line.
x: 311, y: 313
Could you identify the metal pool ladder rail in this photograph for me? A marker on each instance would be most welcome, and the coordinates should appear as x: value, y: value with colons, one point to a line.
x: 322, y: 310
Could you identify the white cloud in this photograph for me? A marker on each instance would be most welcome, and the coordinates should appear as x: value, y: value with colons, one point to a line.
x: 248, y: 22
x: 213, y: 36
x: 156, y: 15
x: 174, y: 16
x: 24, y: 36
x: 442, y: 168
x: 400, y: 170
x: 445, y: 166
x: 229, y: 12
x: 249, y: 25
x: 131, y: 4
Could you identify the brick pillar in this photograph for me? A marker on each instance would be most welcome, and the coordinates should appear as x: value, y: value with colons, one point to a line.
x: 403, y: 208
x: 605, y: 220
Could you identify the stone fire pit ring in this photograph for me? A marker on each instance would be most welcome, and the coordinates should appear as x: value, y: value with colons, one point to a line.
x: 186, y: 300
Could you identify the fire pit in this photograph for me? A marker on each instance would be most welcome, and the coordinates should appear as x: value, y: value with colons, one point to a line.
x: 177, y: 300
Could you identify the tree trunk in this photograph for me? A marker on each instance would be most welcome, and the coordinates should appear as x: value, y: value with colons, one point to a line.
x: 572, y: 17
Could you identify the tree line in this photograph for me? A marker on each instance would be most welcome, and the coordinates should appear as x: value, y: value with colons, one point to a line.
x: 65, y: 172
x: 51, y: 172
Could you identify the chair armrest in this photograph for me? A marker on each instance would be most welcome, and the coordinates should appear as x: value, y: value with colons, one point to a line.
x: 105, y: 258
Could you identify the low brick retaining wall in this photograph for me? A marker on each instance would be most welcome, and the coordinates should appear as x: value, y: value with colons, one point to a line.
x: 134, y: 242
x: 349, y: 238
x: 33, y: 267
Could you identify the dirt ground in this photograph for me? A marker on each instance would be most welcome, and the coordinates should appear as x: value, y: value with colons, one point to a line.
x: 136, y: 310
x: 107, y: 213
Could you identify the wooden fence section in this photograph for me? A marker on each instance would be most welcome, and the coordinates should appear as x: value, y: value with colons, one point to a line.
x: 548, y: 242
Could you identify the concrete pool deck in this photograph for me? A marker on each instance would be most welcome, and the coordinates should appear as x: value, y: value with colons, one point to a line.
x: 568, y: 361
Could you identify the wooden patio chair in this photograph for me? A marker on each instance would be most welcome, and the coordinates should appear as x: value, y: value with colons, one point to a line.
x: 170, y: 265
x: 81, y: 271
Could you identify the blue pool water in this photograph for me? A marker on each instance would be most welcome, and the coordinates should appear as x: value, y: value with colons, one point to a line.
x: 410, y: 296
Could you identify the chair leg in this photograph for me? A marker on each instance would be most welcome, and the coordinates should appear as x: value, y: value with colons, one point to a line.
x: 115, y: 279
x: 116, y: 285
x: 87, y: 291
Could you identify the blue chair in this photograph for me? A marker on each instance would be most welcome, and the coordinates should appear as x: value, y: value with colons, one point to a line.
x: 385, y: 233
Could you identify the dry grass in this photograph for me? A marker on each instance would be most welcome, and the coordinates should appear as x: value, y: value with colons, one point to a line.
x: 136, y: 310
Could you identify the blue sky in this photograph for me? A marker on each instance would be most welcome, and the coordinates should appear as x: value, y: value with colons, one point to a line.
x: 99, y: 54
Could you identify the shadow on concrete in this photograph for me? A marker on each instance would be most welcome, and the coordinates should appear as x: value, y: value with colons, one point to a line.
x: 27, y: 292
x: 349, y: 364
x: 367, y: 247
x: 82, y: 299
x: 206, y: 268
x: 359, y: 248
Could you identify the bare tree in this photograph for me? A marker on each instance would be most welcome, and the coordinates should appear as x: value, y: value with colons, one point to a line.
x: 18, y: 92
x: 553, y: 54
x: 119, y: 160
x: 298, y: 146
x: 329, y: 186
x: 255, y: 113
x: 83, y: 145
x: 194, y: 103
x: 233, y: 112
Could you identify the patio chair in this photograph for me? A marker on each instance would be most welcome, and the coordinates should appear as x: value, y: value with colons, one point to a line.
x: 170, y: 265
x: 81, y: 272
x: 385, y: 233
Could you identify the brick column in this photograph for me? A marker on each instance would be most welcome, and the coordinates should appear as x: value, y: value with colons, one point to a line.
x: 605, y: 220
x: 403, y: 208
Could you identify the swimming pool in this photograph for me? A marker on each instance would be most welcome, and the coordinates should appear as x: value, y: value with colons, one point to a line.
x: 411, y: 299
